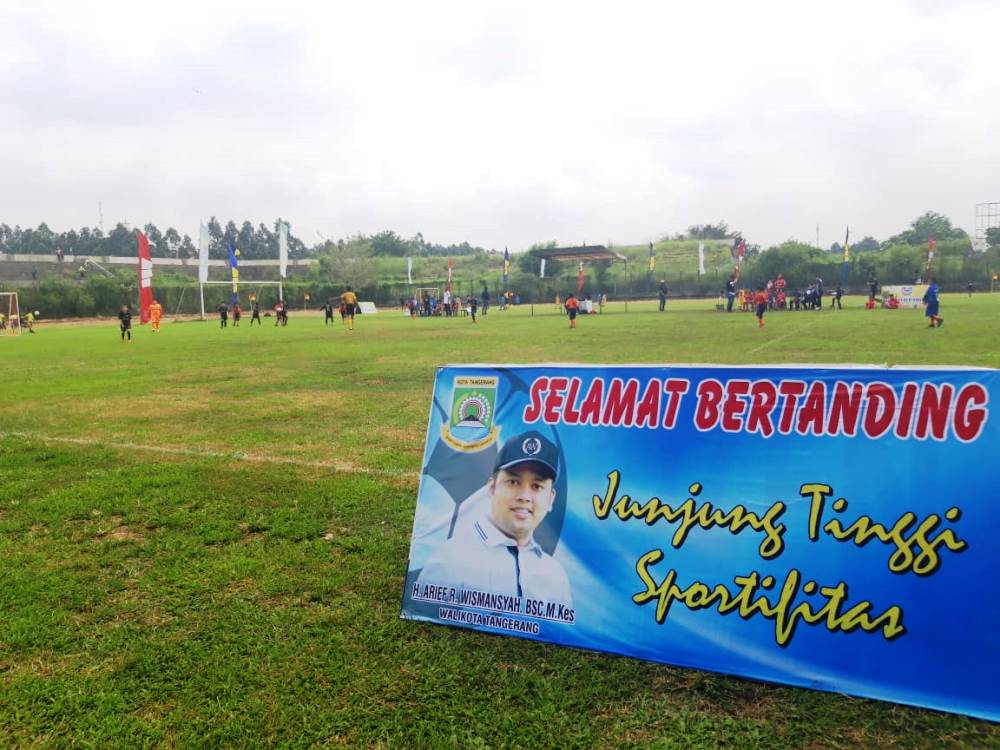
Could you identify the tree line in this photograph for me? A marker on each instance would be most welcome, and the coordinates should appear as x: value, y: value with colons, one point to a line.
x: 260, y: 241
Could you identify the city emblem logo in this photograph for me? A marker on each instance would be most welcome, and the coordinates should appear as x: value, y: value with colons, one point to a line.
x: 473, y: 403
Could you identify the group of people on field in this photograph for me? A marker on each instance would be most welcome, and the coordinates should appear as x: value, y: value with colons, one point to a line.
x: 26, y: 321
x: 450, y: 305
x: 348, y: 307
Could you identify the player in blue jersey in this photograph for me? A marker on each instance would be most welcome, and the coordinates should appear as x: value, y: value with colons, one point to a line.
x: 932, y: 304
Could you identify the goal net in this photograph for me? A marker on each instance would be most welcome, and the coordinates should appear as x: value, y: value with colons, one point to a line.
x: 10, y: 314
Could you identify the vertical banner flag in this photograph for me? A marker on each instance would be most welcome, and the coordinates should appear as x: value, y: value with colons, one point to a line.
x: 409, y: 270
x: 283, y: 249
x: 931, y: 247
x: 652, y: 265
x: 145, y: 277
x: 579, y: 280
x: 234, y: 266
x: 506, y: 265
x: 741, y: 250
x: 448, y: 285
x: 541, y: 274
x: 846, y: 266
x: 824, y: 527
x: 203, y: 242
x: 701, y: 258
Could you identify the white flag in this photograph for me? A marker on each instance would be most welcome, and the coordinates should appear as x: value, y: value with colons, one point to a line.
x: 542, y: 274
x: 409, y: 270
x: 203, y: 240
x: 283, y: 249
x: 701, y: 258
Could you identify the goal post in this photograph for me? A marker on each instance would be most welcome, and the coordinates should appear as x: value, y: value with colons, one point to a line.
x: 10, y: 323
x: 430, y: 291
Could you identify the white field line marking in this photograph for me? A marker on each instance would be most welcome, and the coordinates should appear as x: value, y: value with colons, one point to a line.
x: 341, y: 466
x: 782, y: 336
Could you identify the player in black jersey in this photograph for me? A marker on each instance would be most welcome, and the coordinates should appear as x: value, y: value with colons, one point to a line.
x: 125, y: 323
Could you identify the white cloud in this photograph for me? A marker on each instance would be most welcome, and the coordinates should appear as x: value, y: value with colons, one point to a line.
x: 500, y: 123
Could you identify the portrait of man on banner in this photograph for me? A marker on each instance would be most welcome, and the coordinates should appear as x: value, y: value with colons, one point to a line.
x: 496, y: 551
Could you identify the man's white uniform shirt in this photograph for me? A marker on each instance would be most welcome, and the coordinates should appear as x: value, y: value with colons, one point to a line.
x: 483, y: 558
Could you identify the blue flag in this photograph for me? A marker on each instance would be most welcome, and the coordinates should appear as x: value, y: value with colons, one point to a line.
x: 506, y: 265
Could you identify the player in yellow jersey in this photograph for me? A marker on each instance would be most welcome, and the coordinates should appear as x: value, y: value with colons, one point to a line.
x: 350, y: 302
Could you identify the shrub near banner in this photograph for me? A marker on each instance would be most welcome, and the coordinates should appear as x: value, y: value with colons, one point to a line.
x: 823, y: 527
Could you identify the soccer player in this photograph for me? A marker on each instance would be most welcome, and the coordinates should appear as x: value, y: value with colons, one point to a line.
x: 328, y: 312
x: 761, y: 299
x: 125, y: 323
x: 473, y: 306
x: 931, y: 301
x: 572, y: 306
x: 223, y: 315
x: 155, y: 313
x: 350, y: 302
x: 254, y: 312
x: 835, y: 298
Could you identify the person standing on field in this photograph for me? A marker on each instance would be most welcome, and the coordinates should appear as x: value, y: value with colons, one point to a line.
x: 761, y: 301
x: 254, y: 312
x: 125, y: 323
x: 931, y: 301
x: 155, y: 313
x: 730, y: 292
x: 572, y: 307
x: 838, y: 293
x: 350, y: 302
x: 223, y: 315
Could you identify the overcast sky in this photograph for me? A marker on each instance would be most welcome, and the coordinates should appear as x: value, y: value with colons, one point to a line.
x: 501, y: 124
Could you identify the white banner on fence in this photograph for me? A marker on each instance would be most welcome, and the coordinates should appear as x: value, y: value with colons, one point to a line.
x: 701, y: 258
x: 283, y: 249
x: 203, y: 240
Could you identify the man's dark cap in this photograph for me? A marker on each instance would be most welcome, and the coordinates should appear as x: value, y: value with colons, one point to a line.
x: 529, y: 447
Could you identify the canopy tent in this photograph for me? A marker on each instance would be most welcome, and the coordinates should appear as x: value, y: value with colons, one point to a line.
x: 583, y: 253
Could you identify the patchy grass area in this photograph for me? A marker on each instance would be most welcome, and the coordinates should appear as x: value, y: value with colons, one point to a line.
x: 203, y: 538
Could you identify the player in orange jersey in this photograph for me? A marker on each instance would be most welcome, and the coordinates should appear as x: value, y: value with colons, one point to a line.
x: 760, y: 298
x: 572, y: 305
x: 155, y: 313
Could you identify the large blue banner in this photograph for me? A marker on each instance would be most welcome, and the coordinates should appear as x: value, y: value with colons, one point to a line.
x: 825, y: 527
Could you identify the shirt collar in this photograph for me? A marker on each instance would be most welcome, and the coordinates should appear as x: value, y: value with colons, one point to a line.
x: 491, y: 536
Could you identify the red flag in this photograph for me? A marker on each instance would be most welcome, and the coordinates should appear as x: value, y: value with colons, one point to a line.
x: 741, y: 250
x: 579, y: 280
x: 448, y: 286
x: 145, y: 278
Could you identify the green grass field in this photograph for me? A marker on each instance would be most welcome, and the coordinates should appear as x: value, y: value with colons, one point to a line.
x: 203, y: 538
